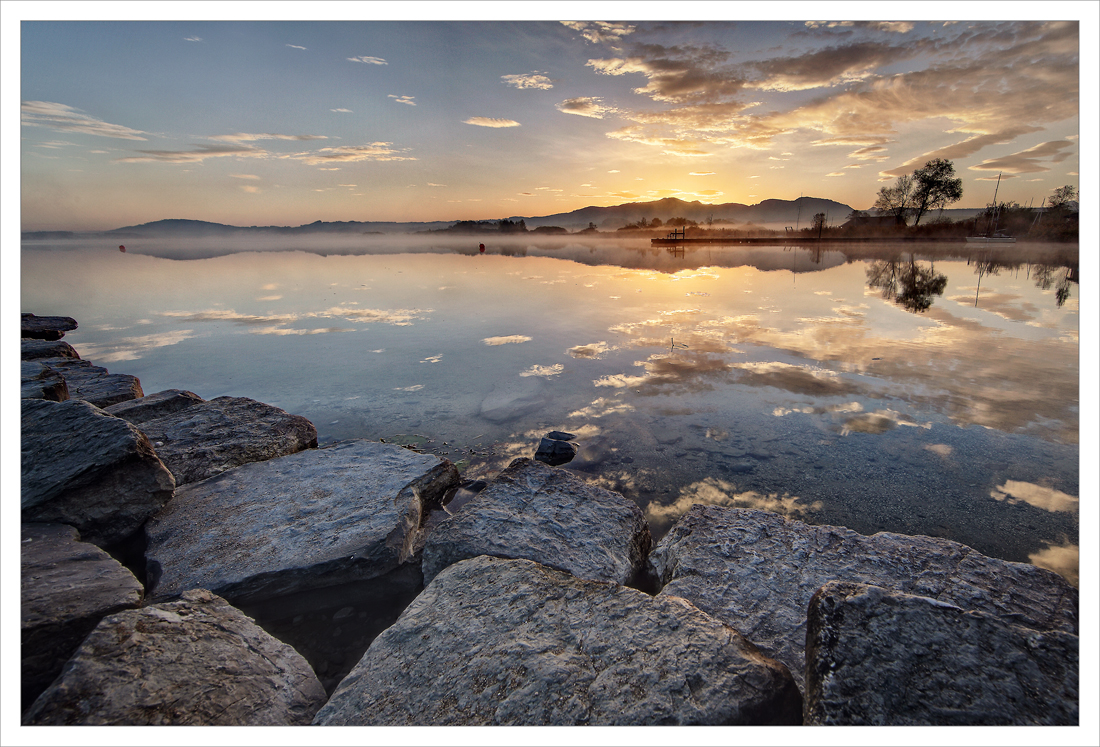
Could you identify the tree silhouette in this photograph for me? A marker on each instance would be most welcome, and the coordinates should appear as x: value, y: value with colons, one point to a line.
x: 896, y: 200
x: 906, y: 283
x: 935, y: 187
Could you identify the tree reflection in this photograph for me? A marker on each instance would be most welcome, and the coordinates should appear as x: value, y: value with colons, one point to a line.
x: 906, y: 283
x: 1060, y: 278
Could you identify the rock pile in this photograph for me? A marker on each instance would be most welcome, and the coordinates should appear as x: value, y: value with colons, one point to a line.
x: 275, y: 582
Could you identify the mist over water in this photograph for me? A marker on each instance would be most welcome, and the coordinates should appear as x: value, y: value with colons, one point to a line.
x: 846, y: 387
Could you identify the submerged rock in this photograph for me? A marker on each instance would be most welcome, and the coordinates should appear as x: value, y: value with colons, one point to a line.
x: 494, y: 641
x: 879, y: 657
x: 322, y: 517
x: 82, y: 467
x: 547, y: 515
x: 66, y: 588
x: 153, y: 406
x: 757, y: 571
x: 207, y: 438
x: 197, y: 661
x: 555, y: 452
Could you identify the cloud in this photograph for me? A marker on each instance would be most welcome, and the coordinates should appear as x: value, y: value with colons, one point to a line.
x: 199, y: 154
x: 1065, y: 560
x: 506, y: 340
x: 403, y: 99
x: 295, y: 46
x: 341, y: 110
x: 69, y: 119
x: 351, y: 153
x: 897, y: 27
x: 669, y: 145
x: 598, y: 32
x: 712, y: 491
x: 528, y: 80
x: 1048, y: 499
x: 193, y: 38
x: 1030, y: 160
x: 491, y: 122
x: 368, y: 60
x: 250, y: 188
x: 132, y: 348
x: 544, y: 371
x: 592, y: 350
x: 701, y: 173
x: 585, y: 106
x: 247, y: 137
x: 244, y: 176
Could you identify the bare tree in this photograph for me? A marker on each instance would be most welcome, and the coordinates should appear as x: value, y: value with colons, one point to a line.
x: 897, y: 200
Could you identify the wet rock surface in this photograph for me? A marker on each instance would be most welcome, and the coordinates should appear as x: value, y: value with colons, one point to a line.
x: 37, y: 381
x: 877, y: 657
x: 94, y: 384
x: 493, y: 641
x: 322, y: 517
x: 31, y: 349
x: 548, y: 515
x: 757, y: 571
x: 66, y: 588
x: 87, y: 469
x: 153, y: 406
x: 208, y: 438
x: 197, y: 661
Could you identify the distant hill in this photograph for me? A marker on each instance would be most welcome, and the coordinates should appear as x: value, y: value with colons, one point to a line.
x: 610, y: 218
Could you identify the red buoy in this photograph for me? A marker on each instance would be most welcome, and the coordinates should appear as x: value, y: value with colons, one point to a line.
x: 121, y: 248
x: 481, y: 248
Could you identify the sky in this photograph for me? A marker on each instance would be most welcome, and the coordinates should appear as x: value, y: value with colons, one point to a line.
x: 443, y: 118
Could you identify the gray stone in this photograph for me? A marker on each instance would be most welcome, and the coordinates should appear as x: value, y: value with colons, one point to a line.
x: 877, y: 657
x: 554, y: 452
x: 46, y: 327
x: 153, y: 406
x: 560, y: 436
x: 756, y: 571
x: 322, y: 517
x: 94, y: 384
x: 211, y: 437
x: 82, y: 467
x: 512, y: 642
x: 195, y: 662
x: 66, y: 588
x: 41, y: 382
x: 32, y: 349
x: 547, y: 515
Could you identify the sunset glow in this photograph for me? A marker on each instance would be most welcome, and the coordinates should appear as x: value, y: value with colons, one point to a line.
x: 285, y: 123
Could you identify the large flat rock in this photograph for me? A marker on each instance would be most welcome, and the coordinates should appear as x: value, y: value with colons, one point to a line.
x: 82, y: 467
x: 66, y: 588
x: 32, y: 349
x: 493, y: 641
x: 208, y: 438
x: 317, y: 518
x: 94, y: 384
x: 878, y: 657
x: 153, y: 406
x: 534, y: 511
x: 194, y: 662
x: 756, y: 571
x: 46, y: 327
x: 37, y: 381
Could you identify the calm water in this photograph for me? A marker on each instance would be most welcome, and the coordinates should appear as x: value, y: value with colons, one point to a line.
x: 929, y: 391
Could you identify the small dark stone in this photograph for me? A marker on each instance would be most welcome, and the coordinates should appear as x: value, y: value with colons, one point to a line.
x: 555, y: 453
x: 560, y: 436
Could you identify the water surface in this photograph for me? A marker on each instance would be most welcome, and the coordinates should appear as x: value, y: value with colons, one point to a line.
x: 920, y: 389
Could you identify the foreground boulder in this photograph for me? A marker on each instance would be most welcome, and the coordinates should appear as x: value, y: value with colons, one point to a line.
x: 208, y: 438
x: 756, y: 571
x: 66, y: 588
x: 94, y: 384
x: 37, y: 381
x: 194, y: 662
x: 534, y: 511
x: 322, y: 517
x: 46, y: 327
x: 493, y: 641
x: 87, y: 469
x: 877, y: 657
x: 153, y: 406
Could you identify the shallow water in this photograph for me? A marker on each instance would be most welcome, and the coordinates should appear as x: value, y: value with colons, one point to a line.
x: 924, y: 389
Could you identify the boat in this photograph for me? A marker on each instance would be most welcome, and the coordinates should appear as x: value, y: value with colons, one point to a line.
x: 992, y: 236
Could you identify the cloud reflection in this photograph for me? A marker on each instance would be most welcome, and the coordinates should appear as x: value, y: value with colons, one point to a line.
x: 132, y: 348
x: 1048, y: 499
x: 506, y: 340
x: 1065, y: 560
x: 714, y: 492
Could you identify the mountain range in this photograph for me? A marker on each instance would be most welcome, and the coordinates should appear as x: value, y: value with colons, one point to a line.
x: 785, y: 212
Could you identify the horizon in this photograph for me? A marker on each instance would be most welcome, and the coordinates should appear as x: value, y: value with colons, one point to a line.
x: 287, y: 123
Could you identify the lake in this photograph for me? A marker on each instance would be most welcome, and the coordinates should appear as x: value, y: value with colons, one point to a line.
x: 914, y: 388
